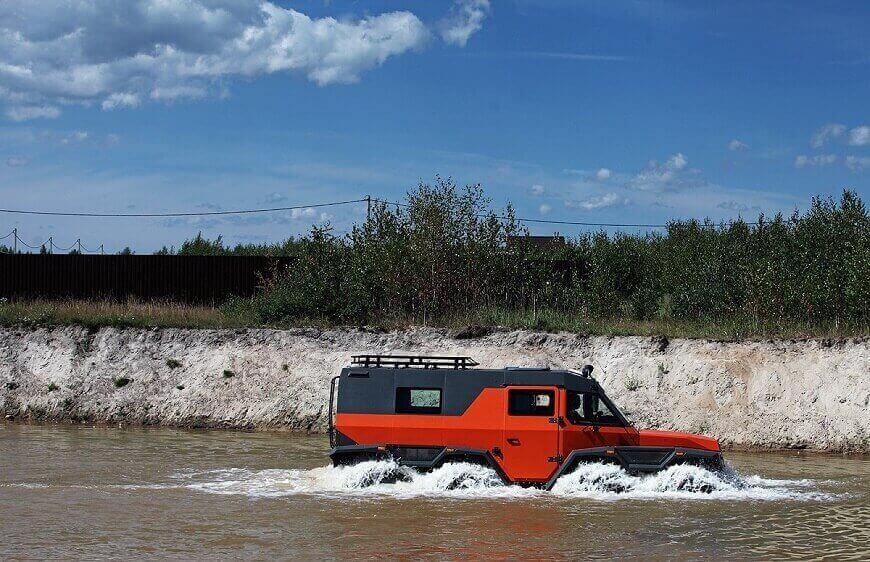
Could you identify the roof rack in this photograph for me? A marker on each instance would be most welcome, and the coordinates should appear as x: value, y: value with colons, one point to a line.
x: 406, y: 361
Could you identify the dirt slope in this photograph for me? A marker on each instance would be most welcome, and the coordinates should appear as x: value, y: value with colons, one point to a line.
x: 805, y: 394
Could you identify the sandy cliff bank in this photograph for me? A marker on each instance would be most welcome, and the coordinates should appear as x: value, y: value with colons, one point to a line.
x: 803, y: 394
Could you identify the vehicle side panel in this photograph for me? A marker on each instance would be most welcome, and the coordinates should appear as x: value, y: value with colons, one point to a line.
x: 531, y: 442
x: 480, y: 427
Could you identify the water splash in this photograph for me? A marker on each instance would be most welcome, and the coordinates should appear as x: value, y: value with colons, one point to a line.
x: 464, y: 480
x: 608, y: 481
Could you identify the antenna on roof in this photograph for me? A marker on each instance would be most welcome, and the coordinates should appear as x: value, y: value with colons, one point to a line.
x: 407, y: 361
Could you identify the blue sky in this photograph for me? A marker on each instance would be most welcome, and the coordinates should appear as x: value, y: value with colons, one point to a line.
x: 636, y: 111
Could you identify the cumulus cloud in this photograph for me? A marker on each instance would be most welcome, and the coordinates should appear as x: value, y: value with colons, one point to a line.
x: 671, y: 175
x: 858, y: 163
x: 121, y: 99
x: 826, y: 133
x: 27, y: 112
x: 737, y: 145
x: 603, y: 174
x: 537, y: 189
x: 819, y: 160
x: 595, y: 203
x: 120, y: 54
x: 465, y: 20
x: 860, y: 136
x: 544, y: 209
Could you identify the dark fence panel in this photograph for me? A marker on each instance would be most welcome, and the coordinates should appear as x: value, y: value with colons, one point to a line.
x: 195, y: 279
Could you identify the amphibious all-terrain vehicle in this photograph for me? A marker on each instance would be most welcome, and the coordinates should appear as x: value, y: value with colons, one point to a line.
x: 531, y: 425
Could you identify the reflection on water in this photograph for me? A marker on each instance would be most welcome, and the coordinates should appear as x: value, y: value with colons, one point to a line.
x: 86, y: 493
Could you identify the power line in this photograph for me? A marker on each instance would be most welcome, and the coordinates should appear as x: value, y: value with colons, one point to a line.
x: 185, y: 214
x: 545, y: 221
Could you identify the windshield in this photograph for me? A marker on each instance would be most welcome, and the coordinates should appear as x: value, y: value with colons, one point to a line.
x: 588, y: 407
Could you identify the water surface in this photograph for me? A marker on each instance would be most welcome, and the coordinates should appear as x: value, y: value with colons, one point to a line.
x: 70, y: 492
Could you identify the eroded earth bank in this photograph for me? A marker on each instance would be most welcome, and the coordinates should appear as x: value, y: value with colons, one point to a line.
x: 774, y: 394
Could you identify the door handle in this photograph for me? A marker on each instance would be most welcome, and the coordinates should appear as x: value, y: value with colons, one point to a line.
x: 513, y: 441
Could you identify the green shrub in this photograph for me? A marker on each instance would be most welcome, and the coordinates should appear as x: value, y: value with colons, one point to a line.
x: 173, y: 363
x: 446, y: 254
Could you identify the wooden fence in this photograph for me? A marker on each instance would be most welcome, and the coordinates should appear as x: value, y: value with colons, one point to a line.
x: 194, y: 279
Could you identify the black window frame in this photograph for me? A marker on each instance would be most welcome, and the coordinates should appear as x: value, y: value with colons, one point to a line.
x: 618, y: 420
x: 404, y: 406
x: 551, y: 410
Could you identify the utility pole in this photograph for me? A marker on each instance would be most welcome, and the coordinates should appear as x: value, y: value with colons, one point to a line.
x: 14, y: 241
x: 101, y: 249
x: 79, y: 244
x: 368, y: 208
x: 51, y: 244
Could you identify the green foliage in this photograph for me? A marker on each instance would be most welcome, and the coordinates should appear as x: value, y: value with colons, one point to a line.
x: 122, y: 381
x: 228, y: 374
x: 173, y: 363
x: 447, y: 255
x: 52, y: 387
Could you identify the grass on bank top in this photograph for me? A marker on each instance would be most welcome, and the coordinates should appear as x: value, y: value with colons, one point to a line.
x: 137, y: 314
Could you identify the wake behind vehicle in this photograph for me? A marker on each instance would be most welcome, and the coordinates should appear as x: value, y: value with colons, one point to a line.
x: 531, y: 425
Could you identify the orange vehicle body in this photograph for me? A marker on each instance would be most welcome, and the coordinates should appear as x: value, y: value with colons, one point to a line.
x: 528, y: 449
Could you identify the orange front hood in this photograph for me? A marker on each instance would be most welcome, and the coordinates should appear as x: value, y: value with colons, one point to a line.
x: 655, y: 438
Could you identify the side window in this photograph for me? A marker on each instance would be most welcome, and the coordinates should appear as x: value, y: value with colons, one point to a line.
x: 531, y: 402
x: 418, y: 400
x: 587, y: 407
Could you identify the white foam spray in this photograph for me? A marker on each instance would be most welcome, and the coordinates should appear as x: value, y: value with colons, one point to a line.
x: 595, y: 481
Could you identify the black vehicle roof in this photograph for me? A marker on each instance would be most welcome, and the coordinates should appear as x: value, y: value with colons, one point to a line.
x: 373, y: 389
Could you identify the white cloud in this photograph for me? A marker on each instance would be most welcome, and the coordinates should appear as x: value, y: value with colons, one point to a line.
x: 27, y: 112
x: 74, y: 137
x: 307, y: 212
x: 537, y: 189
x: 116, y: 54
x: 595, y: 203
x: 544, y: 209
x: 465, y: 20
x: 120, y: 99
x: 671, y: 175
x: 818, y: 160
x: 737, y: 145
x: 677, y: 161
x: 858, y: 163
x: 17, y: 161
x: 603, y: 174
x: 826, y: 133
x: 860, y: 136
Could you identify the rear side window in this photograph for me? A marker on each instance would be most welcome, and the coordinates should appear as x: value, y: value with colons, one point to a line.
x: 531, y: 402
x: 418, y: 400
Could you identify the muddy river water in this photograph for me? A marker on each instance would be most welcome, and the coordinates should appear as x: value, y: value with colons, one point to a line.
x: 89, y: 493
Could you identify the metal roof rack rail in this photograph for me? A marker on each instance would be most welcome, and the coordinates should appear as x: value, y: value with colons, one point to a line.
x: 408, y: 361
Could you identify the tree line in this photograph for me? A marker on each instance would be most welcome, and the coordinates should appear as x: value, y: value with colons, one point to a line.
x: 447, y: 253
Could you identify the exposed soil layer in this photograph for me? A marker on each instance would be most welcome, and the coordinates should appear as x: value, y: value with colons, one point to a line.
x: 773, y: 394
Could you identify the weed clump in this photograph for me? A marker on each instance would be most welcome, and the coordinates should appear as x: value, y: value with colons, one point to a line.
x: 173, y: 363
x: 122, y: 381
x: 228, y: 374
x: 52, y: 387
